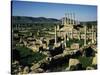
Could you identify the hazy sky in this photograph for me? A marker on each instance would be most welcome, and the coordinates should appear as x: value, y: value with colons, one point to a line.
x: 53, y: 10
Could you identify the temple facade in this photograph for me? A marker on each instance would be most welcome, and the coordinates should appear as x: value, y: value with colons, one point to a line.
x: 68, y: 31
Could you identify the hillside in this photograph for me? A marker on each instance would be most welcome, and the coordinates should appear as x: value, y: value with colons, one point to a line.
x: 25, y: 19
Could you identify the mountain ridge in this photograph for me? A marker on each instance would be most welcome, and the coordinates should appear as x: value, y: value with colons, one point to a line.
x: 26, y: 19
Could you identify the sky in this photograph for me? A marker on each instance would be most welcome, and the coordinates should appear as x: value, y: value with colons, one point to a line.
x: 53, y: 10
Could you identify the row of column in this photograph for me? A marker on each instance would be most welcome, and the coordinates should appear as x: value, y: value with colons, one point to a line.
x: 92, y: 33
x: 85, y: 35
x: 69, y: 19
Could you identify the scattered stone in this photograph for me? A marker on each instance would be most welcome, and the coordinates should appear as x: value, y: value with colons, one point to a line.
x: 26, y: 70
x: 67, y: 69
x: 35, y: 66
x: 15, y: 62
x: 48, y: 71
x: 73, y: 62
x: 75, y: 46
x: 94, y: 61
x: 89, y: 68
x: 39, y: 70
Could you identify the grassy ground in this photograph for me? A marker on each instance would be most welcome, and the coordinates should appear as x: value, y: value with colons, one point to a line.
x: 81, y: 42
x: 27, y: 56
x: 86, y: 61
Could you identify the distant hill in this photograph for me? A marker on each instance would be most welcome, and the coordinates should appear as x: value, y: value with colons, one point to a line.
x: 90, y: 22
x: 25, y: 19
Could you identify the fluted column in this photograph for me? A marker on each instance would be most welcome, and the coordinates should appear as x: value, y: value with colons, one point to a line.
x: 55, y: 35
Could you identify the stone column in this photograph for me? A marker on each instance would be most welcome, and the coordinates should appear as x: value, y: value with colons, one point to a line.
x: 55, y: 35
x: 79, y: 34
x: 65, y: 20
x: 73, y: 18
x: 85, y: 35
x: 77, y: 21
x: 65, y: 39
x: 92, y: 34
x: 58, y: 30
x: 68, y: 18
x: 72, y: 33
